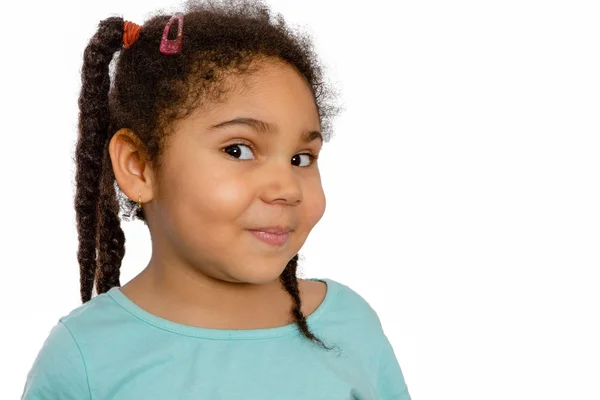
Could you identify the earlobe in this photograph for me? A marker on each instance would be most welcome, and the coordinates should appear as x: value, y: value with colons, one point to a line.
x: 132, y: 171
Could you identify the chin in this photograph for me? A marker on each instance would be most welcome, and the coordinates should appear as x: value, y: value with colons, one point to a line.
x: 259, y: 272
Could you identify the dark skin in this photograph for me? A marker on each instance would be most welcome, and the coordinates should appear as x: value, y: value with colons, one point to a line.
x: 207, y: 269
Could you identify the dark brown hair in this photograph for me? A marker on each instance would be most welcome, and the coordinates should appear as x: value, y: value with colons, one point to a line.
x: 148, y: 92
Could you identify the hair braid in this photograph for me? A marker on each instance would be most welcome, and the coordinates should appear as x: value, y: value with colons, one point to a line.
x: 290, y: 282
x: 93, y: 133
x: 111, y: 239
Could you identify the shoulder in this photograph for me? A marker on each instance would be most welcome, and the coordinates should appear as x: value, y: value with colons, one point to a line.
x: 94, y: 318
x: 94, y: 308
x: 357, y: 319
x: 59, y: 369
x: 357, y: 300
x: 348, y: 305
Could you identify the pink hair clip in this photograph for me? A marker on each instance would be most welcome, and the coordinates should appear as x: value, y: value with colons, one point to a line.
x: 172, y: 46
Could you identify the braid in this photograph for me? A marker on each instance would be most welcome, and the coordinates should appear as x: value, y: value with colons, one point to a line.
x: 290, y: 283
x: 111, y: 239
x: 93, y: 134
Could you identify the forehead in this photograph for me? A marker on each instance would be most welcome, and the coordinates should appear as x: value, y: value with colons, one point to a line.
x: 271, y: 91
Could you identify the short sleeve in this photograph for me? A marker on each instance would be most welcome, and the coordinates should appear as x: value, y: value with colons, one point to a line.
x: 391, y: 384
x: 58, y: 371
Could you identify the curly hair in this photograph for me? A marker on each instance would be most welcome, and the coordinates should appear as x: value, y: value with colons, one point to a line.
x: 148, y: 92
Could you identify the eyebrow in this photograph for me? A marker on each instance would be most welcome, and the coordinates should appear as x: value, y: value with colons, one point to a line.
x: 265, y: 127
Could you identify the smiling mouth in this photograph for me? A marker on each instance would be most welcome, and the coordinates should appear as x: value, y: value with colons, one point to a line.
x: 273, y: 239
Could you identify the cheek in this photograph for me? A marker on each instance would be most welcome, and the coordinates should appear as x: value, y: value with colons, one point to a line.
x: 221, y: 198
x: 314, y: 206
x: 204, y: 199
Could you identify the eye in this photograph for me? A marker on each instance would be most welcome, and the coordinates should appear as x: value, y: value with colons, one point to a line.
x: 236, y: 151
x: 308, y: 158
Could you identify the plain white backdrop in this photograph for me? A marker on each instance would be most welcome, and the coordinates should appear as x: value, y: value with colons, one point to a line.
x: 463, y: 184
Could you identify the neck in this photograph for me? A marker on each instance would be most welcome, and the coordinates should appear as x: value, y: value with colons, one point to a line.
x: 183, y: 293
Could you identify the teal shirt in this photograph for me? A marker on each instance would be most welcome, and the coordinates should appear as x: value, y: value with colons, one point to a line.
x: 110, y: 348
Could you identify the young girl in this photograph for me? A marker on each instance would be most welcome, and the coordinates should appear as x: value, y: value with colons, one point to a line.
x: 209, y: 132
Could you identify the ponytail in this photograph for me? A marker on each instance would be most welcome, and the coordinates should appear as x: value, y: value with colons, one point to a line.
x: 90, y: 152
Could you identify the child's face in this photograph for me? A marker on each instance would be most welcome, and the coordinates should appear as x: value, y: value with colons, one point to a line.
x: 209, y: 201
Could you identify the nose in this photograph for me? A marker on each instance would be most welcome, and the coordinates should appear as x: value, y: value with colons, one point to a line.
x: 282, y: 184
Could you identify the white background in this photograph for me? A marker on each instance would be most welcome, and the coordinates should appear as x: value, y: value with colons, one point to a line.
x: 462, y: 184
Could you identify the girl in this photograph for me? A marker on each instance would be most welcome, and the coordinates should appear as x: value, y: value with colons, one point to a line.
x: 211, y: 128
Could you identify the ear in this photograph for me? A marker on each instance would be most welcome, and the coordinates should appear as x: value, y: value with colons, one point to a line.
x: 133, y: 172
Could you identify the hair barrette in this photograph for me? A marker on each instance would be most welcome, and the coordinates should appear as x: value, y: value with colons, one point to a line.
x: 172, y: 46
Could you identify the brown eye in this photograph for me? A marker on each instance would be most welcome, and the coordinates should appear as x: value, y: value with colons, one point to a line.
x: 307, y: 158
x: 237, y: 151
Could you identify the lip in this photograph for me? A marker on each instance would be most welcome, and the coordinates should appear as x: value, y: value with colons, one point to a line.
x: 274, y: 236
x: 278, y: 230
